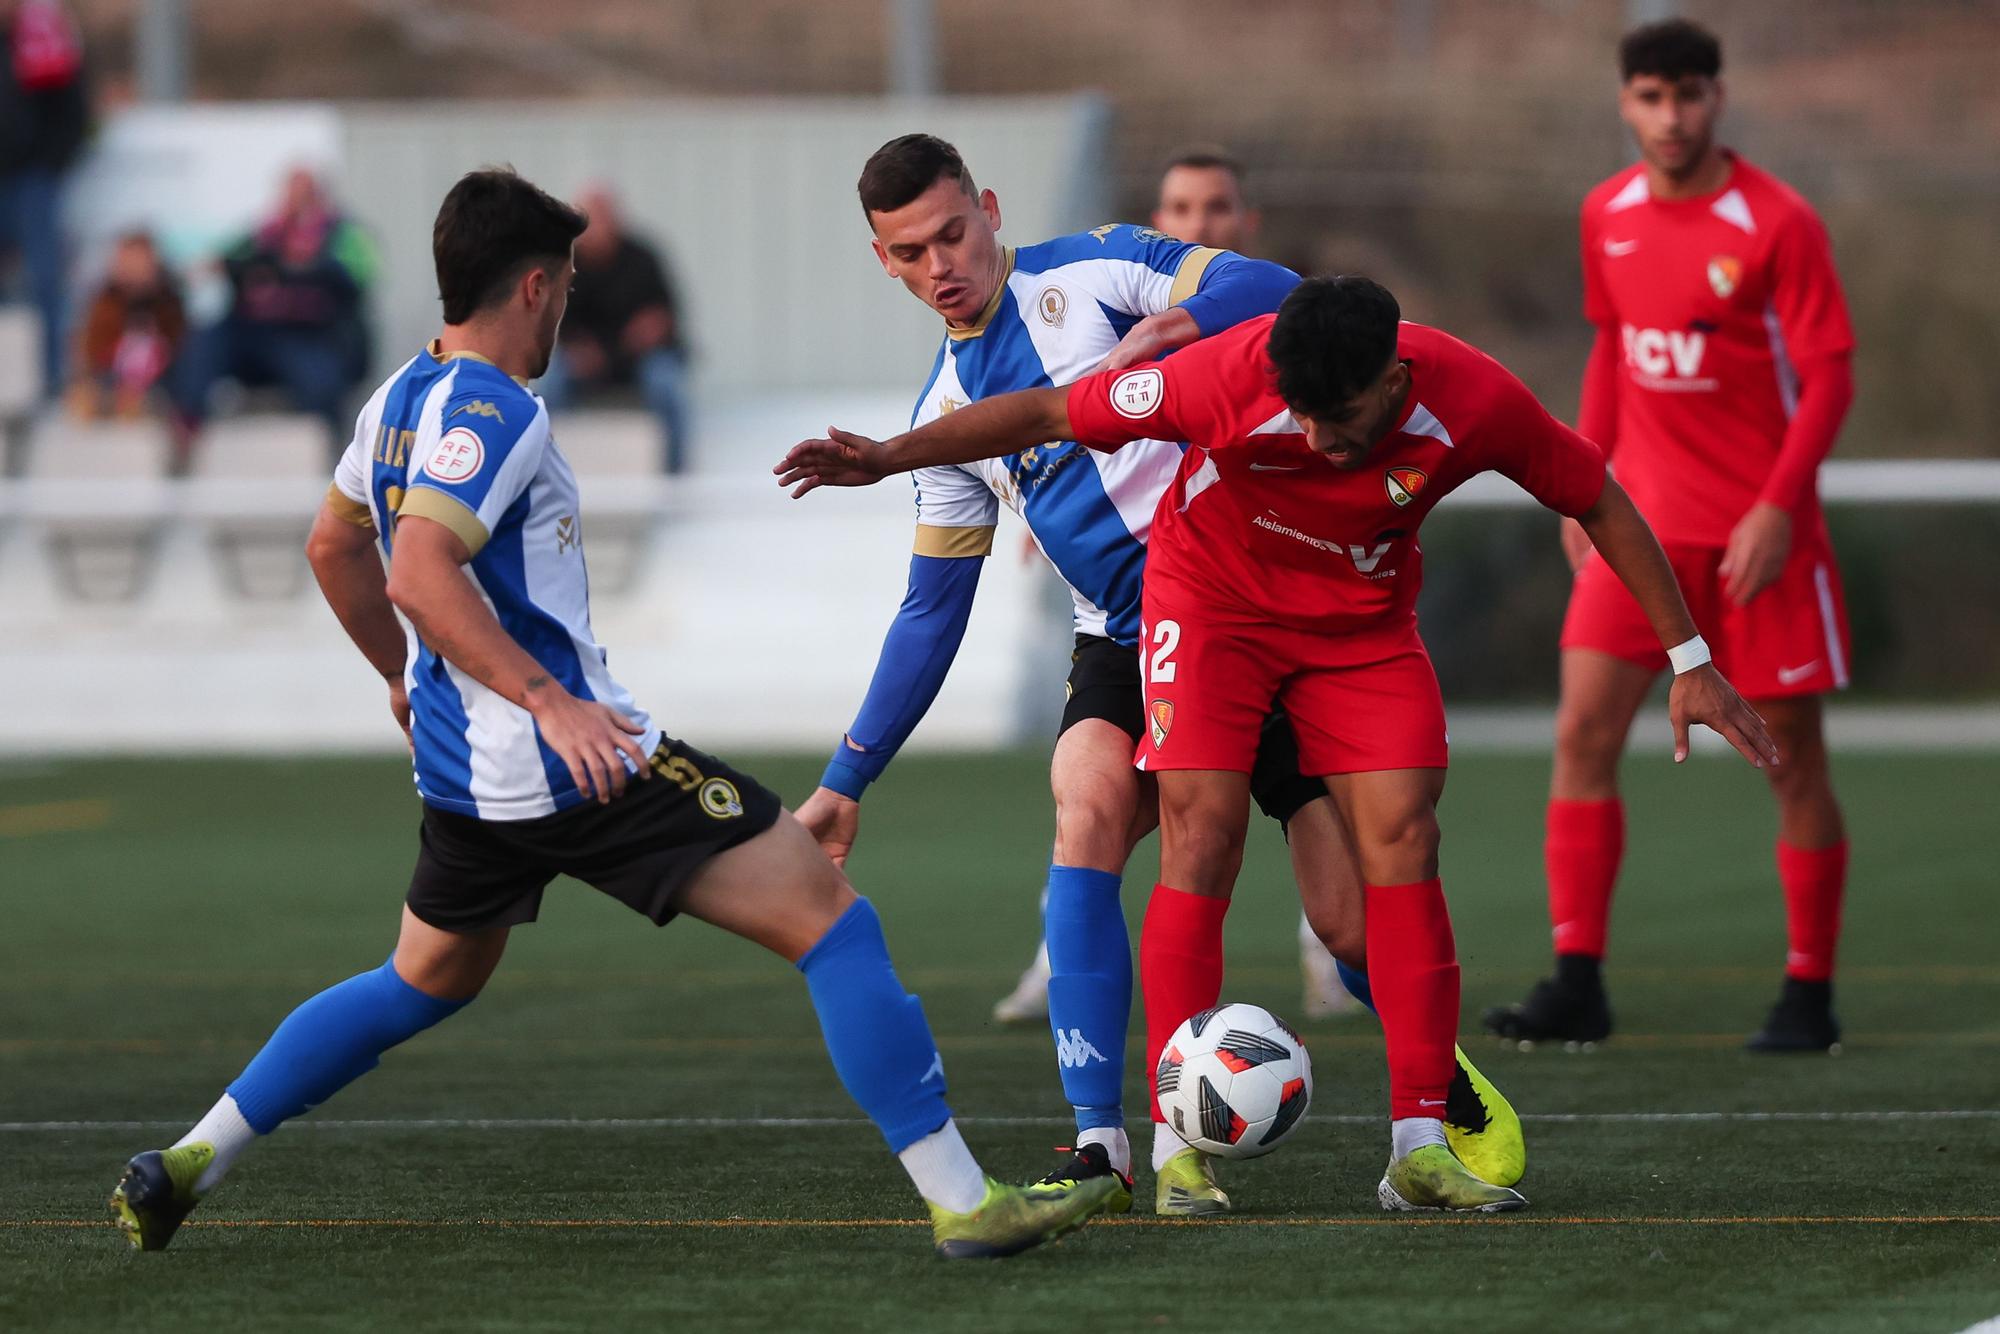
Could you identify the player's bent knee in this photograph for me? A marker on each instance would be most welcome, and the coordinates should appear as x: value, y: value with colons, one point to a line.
x: 777, y: 890
x: 1588, y: 737
x: 1402, y: 847
x: 1094, y: 823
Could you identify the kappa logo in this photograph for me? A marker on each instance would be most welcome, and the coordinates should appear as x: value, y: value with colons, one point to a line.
x: 1073, y: 1050
x: 1099, y: 233
x: 1138, y: 394
x: 480, y: 408
x: 720, y: 799
x: 949, y: 404
x: 1160, y: 718
x: 1725, y: 274
x: 1053, y: 304
x: 458, y: 457
x: 566, y: 534
x: 1403, y: 484
x: 937, y: 1069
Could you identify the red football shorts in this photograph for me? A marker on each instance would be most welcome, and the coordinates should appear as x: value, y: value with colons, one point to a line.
x: 1791, y: 639
x: 1209, y: 683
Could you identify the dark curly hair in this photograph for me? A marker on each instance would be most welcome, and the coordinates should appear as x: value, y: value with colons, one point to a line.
x: 1331, y: 340
x: 1670, y: 50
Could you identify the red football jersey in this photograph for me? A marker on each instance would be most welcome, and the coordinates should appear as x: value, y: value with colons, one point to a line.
x: 1256, y: 524
x: 1714, y: 300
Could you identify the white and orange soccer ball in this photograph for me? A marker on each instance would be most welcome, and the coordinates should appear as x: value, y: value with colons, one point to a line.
x: 1234, y: 1081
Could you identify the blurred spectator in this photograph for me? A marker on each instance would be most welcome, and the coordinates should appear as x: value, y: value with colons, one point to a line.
x: 623, y: 327
x: 1201, y: 200
x: 295, y: 315
x: 44, y: 119
x: 132, y: 331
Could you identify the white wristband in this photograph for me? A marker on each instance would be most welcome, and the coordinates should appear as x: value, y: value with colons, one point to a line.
x: 1686, y: 657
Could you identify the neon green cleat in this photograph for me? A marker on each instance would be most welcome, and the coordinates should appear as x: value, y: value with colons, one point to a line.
x: 157, y: 1193
x: 1481, y: 1127
x: 1013, y: 1218
x: 1430, y: 1180
x: 1087, y: 1163
x: 1185, y: 1185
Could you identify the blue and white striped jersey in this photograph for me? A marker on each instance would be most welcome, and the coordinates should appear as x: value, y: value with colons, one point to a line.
x: 1063, y: 306
x: 458, y: 441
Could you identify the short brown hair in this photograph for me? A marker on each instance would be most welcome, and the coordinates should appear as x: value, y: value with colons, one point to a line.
x: 493, y: 225
x: 905, y: 167
x: 1206, y: 157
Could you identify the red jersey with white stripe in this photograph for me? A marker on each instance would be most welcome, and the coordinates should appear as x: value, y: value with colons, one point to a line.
x: 1714, y: 301
x: 1258, y: 527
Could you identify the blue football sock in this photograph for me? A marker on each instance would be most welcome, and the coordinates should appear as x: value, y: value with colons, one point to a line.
x: 1090, y: 991
x: 875, y: 1031
x: 331, y: 1041
x: 1356, y: 983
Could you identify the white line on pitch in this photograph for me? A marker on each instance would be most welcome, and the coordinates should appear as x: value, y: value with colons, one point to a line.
x: 808, y: 1122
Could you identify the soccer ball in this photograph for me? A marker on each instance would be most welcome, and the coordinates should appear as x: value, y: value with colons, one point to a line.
x: 1234, y: 1081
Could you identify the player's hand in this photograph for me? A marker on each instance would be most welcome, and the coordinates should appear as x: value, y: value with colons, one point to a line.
x: 1756, y: 552
x: 833, y: 820
x: 842, y: 459
x: 1576, y: 544
x: 399, y: 708
x: 1150, y: 339
x: 594, y: 740
x: 1703, y: 696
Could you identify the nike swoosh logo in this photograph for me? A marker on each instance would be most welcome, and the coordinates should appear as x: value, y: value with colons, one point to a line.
x: 1430, y: 1102
x: 1276, y: 467
x: 1617, y: 248
x: 1788, y: 676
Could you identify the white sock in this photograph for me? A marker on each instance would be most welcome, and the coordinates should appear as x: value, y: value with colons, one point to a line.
x: 1116, y: 1146
x: 1165, y: 1144
x: 944, y: 1170
x: 225, y: 1128
x: 1412, y: 1133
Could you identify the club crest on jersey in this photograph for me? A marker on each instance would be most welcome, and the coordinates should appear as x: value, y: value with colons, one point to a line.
x: 1137, y: 394
x: 458, y: 457
x: 1054, y: 306
x: 720, y: 799
x: 1403, y: 484
x: 1160, y: 717
x: 1725, y: 272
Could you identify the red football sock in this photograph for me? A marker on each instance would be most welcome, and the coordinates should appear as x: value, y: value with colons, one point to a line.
x: 1413, y: 969
x: 1815, y: 881
x: 1180, y: 967
x: 1586, y: 841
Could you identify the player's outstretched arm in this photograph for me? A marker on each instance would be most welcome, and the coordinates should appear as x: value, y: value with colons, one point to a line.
x: 1700, y: 694
x: 342, y: 555
x: 427, y: 585
x: 916, y: 655
x: 1003, y: 424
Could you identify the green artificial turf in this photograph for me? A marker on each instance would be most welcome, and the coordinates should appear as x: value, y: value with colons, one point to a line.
x: 162, y: 916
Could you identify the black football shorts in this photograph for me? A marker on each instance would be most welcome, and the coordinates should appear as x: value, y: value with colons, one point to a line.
x: 639, y: 848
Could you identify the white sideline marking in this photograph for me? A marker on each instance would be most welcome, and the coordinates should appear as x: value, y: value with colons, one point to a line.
x: 812, y: 1122
x: 1984, y: 1327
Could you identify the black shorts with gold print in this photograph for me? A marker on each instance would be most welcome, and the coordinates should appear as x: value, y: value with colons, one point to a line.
x: 639, y: 848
